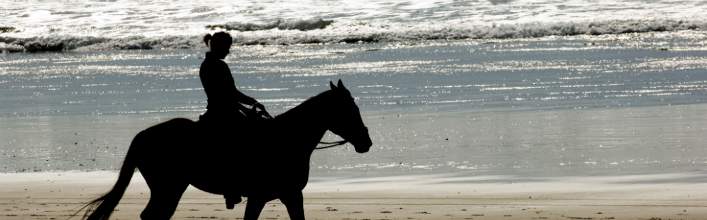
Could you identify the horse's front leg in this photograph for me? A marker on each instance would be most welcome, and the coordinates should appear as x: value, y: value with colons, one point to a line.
x: 294, y: 203
x: 254, y: 206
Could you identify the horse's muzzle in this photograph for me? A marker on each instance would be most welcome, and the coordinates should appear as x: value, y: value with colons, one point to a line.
x: 363, y: 147
x: 363, y: 143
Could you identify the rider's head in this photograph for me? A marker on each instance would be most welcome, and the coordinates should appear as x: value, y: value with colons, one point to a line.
x: 219, y: 43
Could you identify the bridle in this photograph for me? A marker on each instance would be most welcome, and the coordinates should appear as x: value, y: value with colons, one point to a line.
x: 331, y: 144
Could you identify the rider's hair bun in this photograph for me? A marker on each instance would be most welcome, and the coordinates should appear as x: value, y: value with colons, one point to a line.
x: 207, y: 38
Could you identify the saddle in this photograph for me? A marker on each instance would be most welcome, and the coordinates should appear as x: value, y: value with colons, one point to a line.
x: 245, y: 125
x: 241, y: 118
x: 229, y: 137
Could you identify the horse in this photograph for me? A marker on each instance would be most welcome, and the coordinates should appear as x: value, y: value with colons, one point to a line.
x: 271, y: 162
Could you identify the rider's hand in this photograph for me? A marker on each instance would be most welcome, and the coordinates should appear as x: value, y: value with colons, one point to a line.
x: 260, y: 106
x: 263, y: 112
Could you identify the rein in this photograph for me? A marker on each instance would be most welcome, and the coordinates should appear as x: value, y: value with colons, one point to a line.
x: 330, y: 144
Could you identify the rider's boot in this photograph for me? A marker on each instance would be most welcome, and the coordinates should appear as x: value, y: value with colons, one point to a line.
x: 232, y: 200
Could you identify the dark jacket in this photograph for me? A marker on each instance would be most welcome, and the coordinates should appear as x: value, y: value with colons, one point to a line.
x: 221, y: 91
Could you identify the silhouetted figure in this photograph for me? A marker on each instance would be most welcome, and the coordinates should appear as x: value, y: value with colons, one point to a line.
x: 172, y: 156
x: 225, y: 115
x: 224, y: 99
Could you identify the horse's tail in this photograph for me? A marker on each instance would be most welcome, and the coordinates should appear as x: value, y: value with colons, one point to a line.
x: 102, y: 207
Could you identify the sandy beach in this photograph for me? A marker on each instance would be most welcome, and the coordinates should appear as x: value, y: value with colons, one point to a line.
x: 669, y: 196
x: 490, y: 109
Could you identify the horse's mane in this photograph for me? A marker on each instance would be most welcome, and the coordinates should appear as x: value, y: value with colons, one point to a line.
x: 304, y: 106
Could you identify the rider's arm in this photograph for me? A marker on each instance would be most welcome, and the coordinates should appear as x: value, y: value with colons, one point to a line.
x: 237, y: 94
x: 243, y: 98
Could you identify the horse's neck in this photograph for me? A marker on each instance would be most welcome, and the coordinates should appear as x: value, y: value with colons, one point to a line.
x: 303, y: 124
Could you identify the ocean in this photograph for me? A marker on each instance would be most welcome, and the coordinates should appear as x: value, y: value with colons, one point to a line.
x: 513, y: 88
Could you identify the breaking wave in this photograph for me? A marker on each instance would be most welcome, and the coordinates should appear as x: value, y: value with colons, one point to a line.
x: 7, y: 29
x: 302, y: 25
x: 322, y: 31
x: 66, y: 43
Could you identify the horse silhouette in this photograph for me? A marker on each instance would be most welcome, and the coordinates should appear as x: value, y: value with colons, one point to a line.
x: 270, y: 161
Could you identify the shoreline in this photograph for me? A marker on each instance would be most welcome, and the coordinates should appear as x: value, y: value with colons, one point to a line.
x: 56, y: 195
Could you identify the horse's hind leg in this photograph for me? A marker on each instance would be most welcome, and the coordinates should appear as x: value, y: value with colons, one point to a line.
x: 164, y: 199
x: 293, y: 202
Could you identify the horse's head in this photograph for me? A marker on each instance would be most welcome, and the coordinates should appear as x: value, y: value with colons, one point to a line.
x: 347, y: 121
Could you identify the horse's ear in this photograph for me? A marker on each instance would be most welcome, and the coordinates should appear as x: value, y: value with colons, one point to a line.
x: 340, y: 84
x: 331, y: 84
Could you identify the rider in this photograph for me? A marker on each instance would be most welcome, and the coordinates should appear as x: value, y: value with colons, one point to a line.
x: 225, y: 107
x: 224, y: 99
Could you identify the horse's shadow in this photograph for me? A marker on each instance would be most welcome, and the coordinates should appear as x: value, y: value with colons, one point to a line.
x: 272, y: 163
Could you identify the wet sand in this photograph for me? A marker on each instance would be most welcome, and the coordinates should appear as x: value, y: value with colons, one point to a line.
x: 57, y: 195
